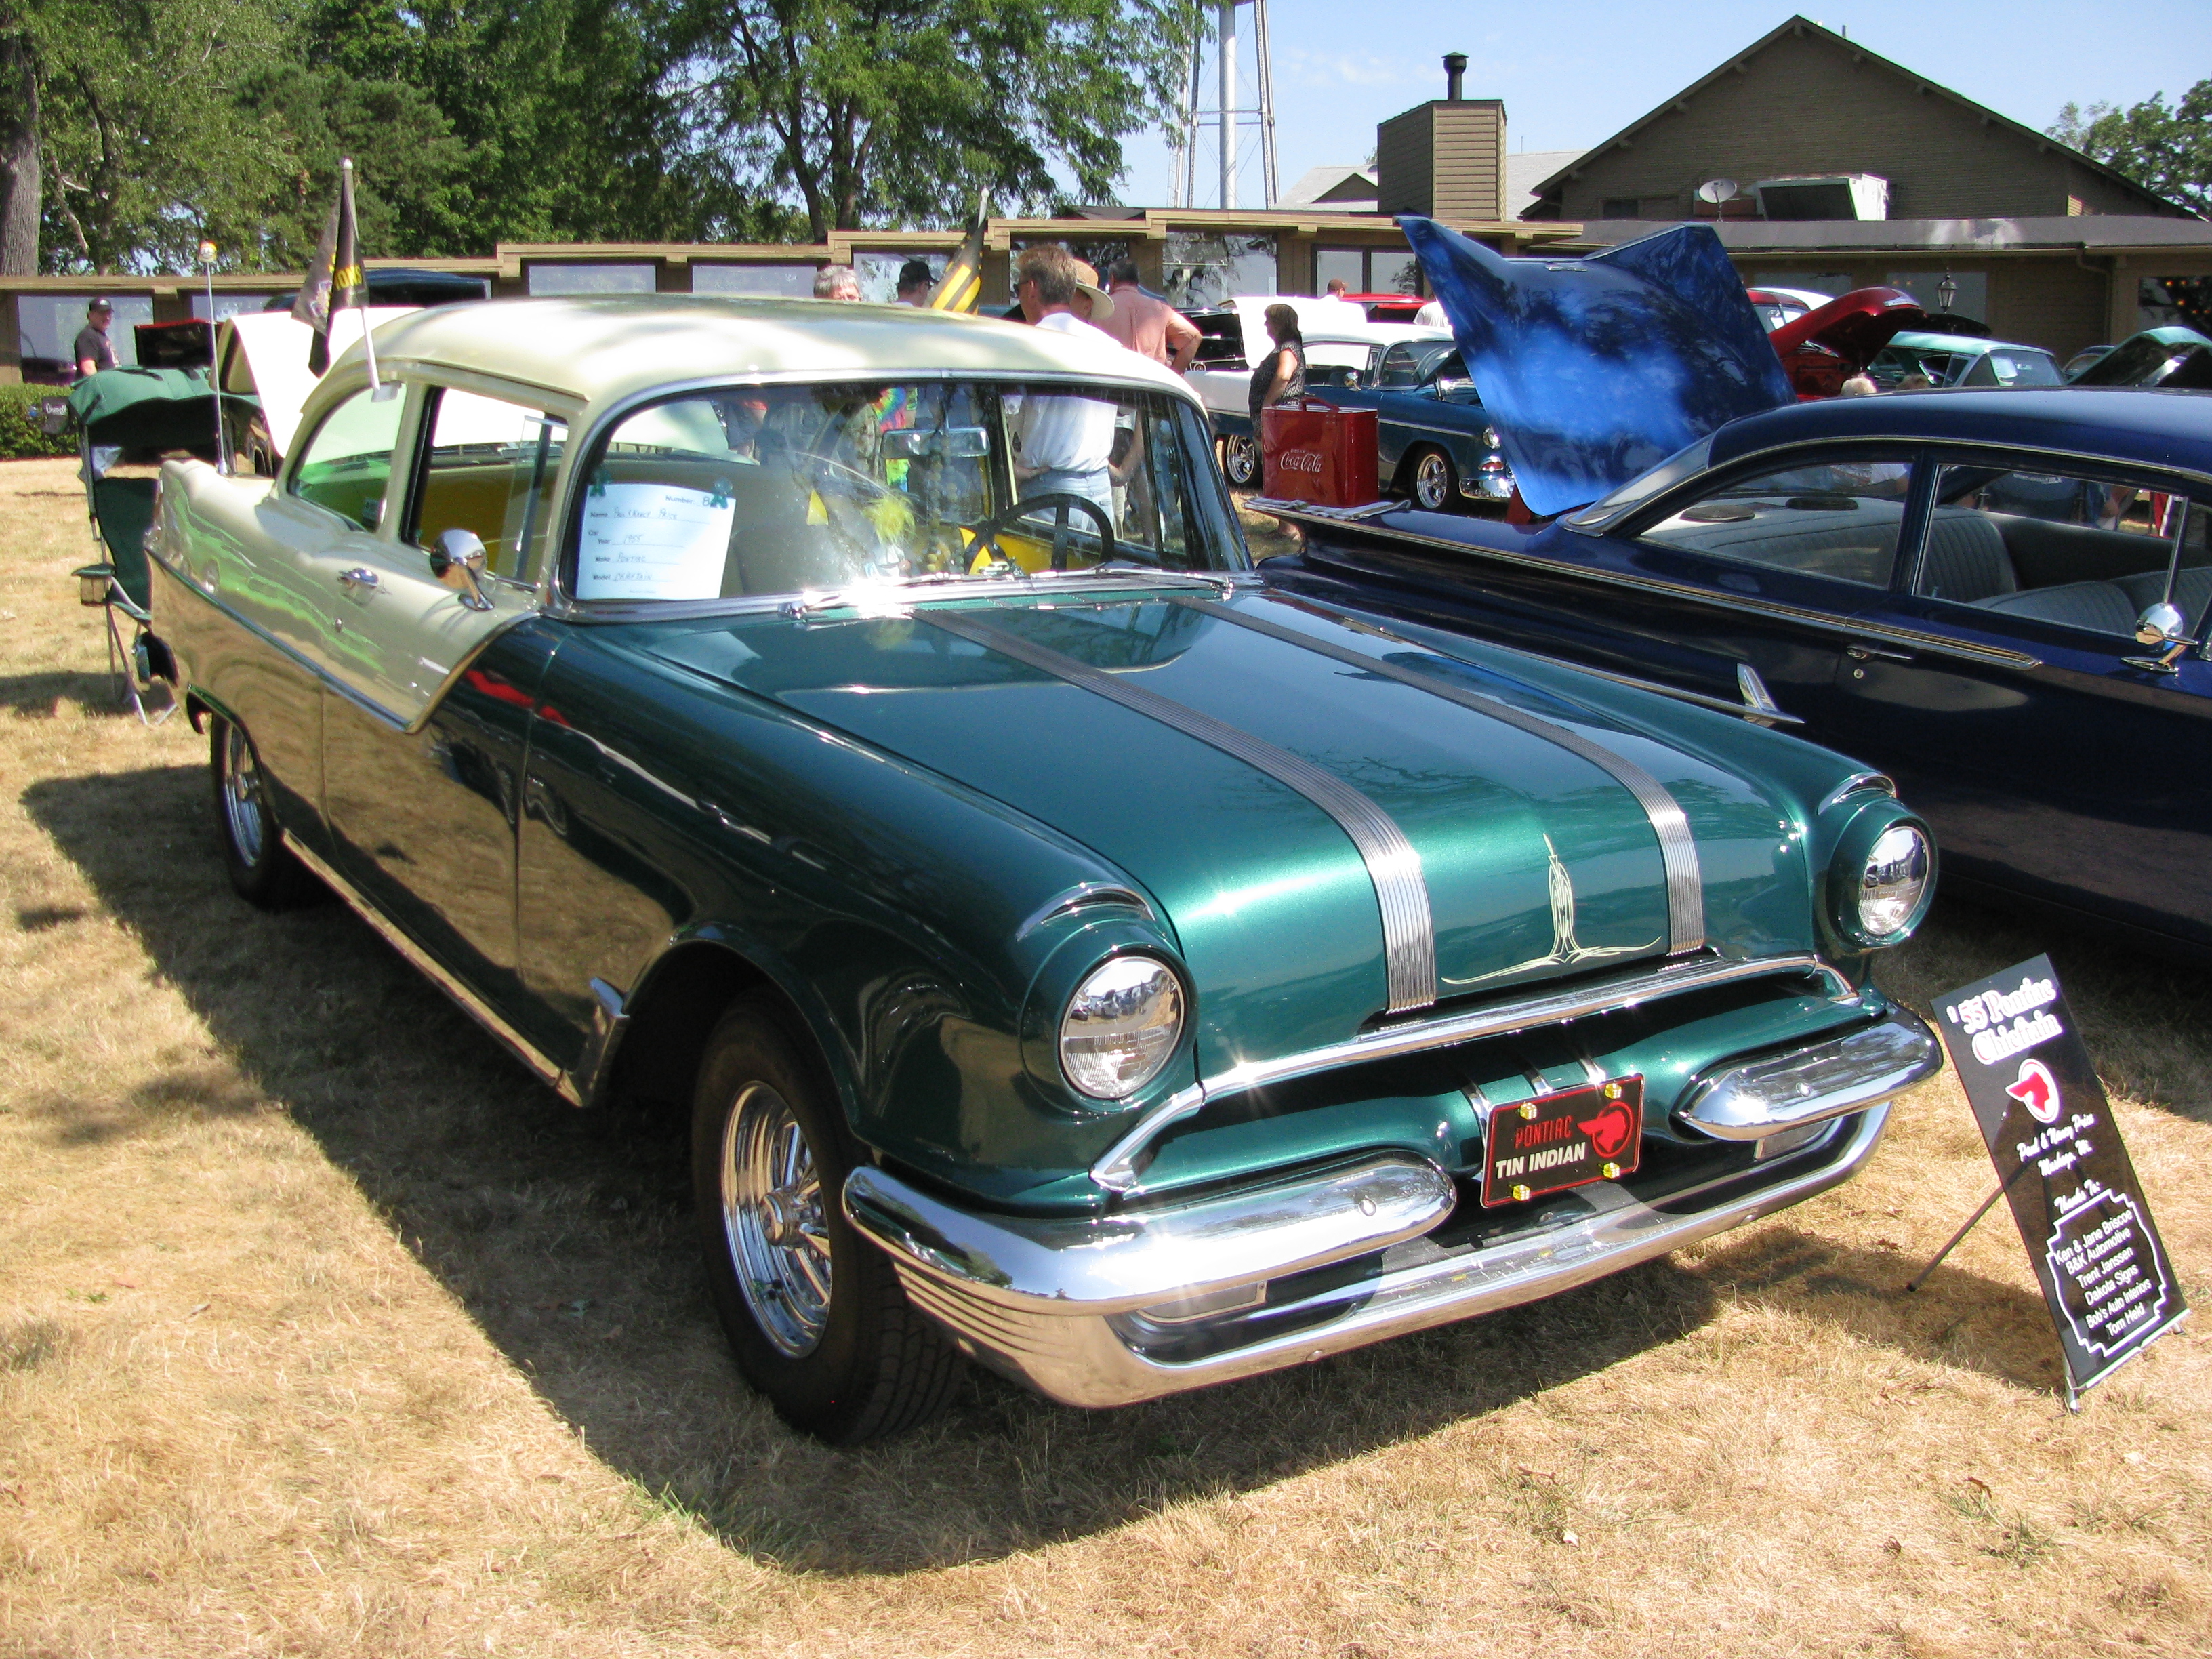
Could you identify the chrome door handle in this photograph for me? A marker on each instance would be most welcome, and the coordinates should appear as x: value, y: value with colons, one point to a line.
x: 1869, y: 652
x: 360, y: 576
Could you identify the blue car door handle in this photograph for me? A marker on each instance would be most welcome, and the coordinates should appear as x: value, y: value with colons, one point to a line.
x: 1858, y: 653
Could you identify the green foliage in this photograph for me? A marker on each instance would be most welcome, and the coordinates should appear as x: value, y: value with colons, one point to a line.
x: 20, y: 437
x: 2166, y: 150
x: 868, y: 111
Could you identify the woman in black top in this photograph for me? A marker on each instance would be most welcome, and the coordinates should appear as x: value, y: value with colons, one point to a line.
x: 1280, y: 375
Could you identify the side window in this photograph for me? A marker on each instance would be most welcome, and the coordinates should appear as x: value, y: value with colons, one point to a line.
x: 1399, y: 370
x: 2087, y: 552
x: 489, y: 467
x: 347, y: 465
x: 1838, y: 519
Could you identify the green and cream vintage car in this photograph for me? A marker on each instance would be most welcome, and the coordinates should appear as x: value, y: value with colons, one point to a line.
x: 864, y: 727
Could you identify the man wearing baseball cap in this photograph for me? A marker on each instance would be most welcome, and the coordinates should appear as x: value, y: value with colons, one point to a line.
x: 93, y: 351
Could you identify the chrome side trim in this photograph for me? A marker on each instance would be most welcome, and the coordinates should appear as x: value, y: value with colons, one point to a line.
x: 1879, y: 783
x: 1808, y: 1086
x: 1086, y: 895
x: 1678, y: 847
x: 1116, y: 1170
x: 1102, y: 1359
x: 1401, y: 893
x: 474, y: 1006
x: 1940, y: 644
x: 1140, y: 1258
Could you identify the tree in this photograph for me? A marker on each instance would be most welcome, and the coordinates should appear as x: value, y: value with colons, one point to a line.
x: 20, y: 176
x: 2168, y: 151
x: 900, y: 109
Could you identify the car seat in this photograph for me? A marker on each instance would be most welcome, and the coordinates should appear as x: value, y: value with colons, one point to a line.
x: 1965, y: 559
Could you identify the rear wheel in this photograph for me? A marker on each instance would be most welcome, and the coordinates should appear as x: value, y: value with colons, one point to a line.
x: 1240, y: 460
x: 1435, y: 482
x: 261, y: 867
x: 814, y: 1313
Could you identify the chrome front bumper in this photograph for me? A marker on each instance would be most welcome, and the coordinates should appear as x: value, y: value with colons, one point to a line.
x: 1109, y: 1311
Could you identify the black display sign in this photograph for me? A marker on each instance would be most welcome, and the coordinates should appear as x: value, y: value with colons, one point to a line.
x: 1593, y: 1133
x: 2059, y: 1158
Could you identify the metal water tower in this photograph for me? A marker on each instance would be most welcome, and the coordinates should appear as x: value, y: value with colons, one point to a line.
x: 1229, y: 116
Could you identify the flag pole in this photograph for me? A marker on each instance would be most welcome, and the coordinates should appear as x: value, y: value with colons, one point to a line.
x: 215, y: 367
x: 360, y: 282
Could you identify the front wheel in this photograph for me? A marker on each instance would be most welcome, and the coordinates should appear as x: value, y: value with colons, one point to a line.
x: 1436, y: 485
x: 262, y: 868
x: 814, y: 1313
x: 1240, y: 460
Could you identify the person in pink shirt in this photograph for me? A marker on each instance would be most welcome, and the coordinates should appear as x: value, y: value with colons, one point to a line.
x: 1150, y: 328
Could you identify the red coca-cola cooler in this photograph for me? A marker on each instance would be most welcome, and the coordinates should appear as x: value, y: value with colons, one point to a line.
x: 1313, y: 451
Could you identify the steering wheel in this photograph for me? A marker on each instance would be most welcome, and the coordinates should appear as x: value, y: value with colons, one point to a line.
x: 986, y: 530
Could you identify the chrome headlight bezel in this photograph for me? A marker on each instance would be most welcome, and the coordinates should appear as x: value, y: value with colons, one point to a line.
x: 1146, y: 985
x: 1881, y: 834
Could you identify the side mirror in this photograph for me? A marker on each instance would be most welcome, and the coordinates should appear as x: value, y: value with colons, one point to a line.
x: 2162, y: 624
x: 458, y: 561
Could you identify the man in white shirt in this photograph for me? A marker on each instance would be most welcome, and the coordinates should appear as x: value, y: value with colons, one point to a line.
x: 1064, y: 446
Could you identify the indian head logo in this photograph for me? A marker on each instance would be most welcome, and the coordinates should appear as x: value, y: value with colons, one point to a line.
x: 2038, y: 1091
x: 1609, y: 1131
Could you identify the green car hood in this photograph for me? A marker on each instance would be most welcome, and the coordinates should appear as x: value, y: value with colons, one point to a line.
x: 1537, y: 862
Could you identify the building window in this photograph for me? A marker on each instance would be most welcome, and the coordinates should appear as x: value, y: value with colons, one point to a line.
x: 878, y: 273
x: 1619, y: 207
x: 1348, y: 265
x: 775, y: 281
x: 46, y: 325
x: 1971, y: 299
x: 590, y: 279
x: 1204, y: 271
x: 230, y: 305
x: 1367, y: 270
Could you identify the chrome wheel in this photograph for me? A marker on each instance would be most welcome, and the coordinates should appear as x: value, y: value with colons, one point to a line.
x: 1432, y: 480
x: 1241, y: 461
x: 772, y: 1215
x: 244, y: 808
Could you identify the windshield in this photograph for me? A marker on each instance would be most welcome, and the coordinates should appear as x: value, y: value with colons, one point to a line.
x: 1638, y: 490
x: 781, y: 490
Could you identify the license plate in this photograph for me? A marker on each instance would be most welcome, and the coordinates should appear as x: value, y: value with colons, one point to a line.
x: 1569, y: 1138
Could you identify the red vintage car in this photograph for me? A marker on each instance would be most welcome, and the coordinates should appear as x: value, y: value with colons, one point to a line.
x: 1823, y: 348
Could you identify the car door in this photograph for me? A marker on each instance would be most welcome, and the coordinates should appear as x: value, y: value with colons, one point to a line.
x: 294, y: 580
x: 1415, y: 405
x: 2050, y: 748
x: 427, y: 714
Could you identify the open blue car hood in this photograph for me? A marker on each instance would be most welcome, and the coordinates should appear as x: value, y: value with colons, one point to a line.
x: 1595, y: 369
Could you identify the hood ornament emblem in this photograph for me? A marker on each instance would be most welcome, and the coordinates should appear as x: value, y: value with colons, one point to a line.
x: 1565, y: 948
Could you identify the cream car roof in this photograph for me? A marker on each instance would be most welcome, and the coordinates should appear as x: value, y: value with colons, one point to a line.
x: 602, y: 349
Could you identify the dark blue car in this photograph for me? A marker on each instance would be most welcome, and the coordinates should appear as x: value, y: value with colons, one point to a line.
x: 1998, y: 599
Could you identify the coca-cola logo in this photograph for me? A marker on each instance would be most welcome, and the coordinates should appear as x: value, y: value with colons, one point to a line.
x: 1299, y: 460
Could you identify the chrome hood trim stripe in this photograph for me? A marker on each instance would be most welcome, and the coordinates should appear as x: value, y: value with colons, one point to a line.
x: 1678, y: 847
x: 1401, y: 893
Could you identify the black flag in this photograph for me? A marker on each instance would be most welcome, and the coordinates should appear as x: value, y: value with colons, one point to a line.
x: 334, y: 280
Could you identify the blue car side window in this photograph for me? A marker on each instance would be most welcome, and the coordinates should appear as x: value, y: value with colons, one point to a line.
x: 2086, y: 553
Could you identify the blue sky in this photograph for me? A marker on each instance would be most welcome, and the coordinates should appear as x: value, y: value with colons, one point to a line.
x: 1575, y: 71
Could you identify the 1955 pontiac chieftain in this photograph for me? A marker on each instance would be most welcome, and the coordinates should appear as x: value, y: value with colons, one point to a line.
x: 864, y: 725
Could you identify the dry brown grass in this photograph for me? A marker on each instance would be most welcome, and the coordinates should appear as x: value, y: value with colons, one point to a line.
x: 323, y: 1331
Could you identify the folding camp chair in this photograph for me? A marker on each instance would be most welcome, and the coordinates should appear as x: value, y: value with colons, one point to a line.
x: 122, y: 513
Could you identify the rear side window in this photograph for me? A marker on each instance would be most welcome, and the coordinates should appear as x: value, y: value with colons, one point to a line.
x: 2005, y: 368
x: 347, y: 465
x: 1837, y: 519
x: 489, y: 467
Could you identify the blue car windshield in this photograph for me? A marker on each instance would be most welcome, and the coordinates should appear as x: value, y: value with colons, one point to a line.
x: 783, y: 489
x: 1682, y: 463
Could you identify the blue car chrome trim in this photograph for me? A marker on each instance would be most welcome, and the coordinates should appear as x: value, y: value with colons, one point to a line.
x: 1116, y: 1170
x: 1394, y: 865
x: 1028, y: 1323
x: 1678, y: 847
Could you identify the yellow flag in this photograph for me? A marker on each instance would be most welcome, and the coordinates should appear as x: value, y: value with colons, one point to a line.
x: 961, y: 287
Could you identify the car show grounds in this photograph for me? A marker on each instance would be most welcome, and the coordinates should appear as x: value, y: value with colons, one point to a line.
x: 324, y: 1329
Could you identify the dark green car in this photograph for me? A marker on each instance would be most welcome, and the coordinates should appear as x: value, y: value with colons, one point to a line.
x: 864, y: 725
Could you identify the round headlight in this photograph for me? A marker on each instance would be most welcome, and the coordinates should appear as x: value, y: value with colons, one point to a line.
x: 1895, y: 877
x: 1121, y: 1025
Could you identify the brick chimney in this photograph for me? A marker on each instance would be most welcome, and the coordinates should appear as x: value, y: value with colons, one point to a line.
x: 1446, y: 159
